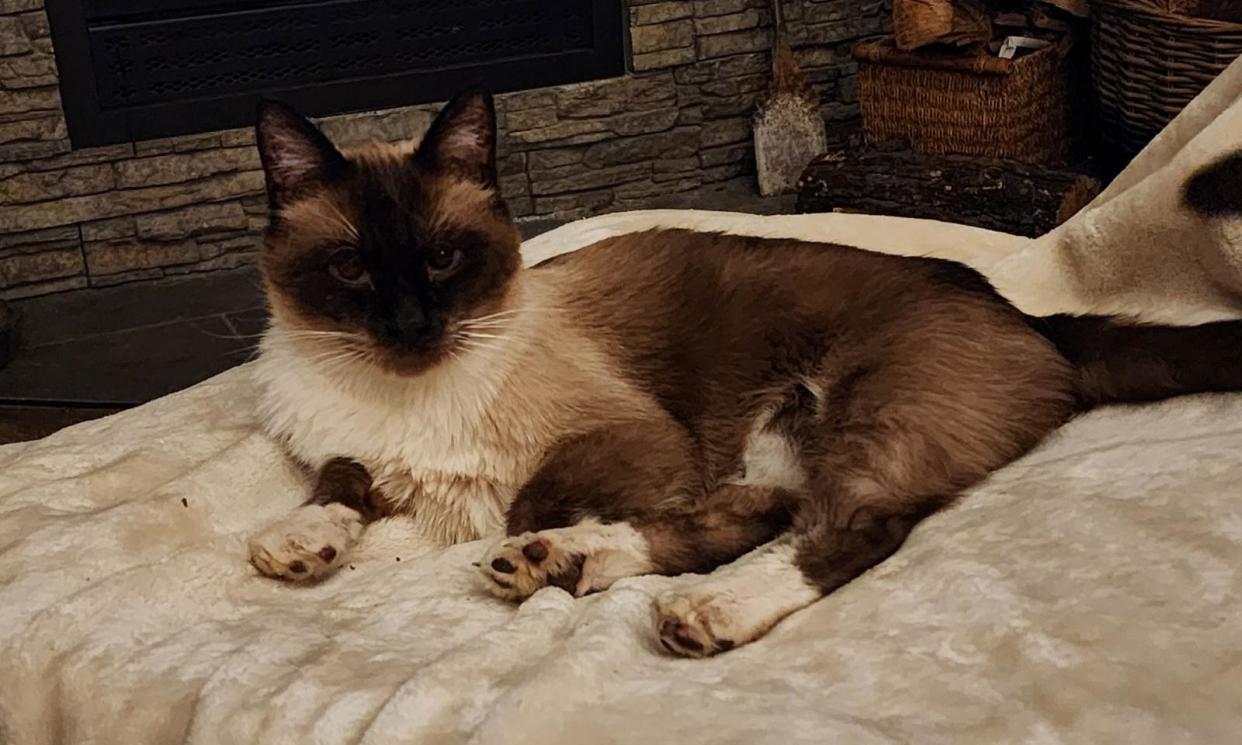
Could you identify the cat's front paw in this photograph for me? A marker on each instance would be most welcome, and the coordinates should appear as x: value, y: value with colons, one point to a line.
x: 515, y: 567
x: 308, y: 544
x: 696, y: 624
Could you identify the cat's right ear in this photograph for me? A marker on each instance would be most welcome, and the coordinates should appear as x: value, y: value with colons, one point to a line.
x: 295, y: 154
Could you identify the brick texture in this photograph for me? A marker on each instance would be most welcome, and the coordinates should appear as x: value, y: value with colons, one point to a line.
x: 679, y: 120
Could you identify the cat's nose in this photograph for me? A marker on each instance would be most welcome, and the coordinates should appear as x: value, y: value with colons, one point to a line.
x: 410, y: 317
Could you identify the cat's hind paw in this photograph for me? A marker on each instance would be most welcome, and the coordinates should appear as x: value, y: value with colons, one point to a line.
x: 582, y: 558
x: 515, y: 567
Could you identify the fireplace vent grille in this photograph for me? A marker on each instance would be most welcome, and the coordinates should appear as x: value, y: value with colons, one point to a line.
x: 133, y: 70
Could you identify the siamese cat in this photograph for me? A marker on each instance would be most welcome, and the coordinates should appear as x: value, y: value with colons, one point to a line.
x: 776, y: 414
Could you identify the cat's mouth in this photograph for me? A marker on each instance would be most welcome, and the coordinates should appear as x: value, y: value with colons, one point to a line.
x: 343, y: 352
x: 413, y: 358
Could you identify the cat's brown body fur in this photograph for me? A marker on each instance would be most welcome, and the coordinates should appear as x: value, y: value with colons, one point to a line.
x: 689, y: 397
x: 864, y: 362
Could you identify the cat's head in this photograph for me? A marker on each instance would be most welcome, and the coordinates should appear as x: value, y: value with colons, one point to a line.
x: 381, y: 253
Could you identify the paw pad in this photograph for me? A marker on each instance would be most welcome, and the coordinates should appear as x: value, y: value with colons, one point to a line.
x: 674, y: 636
x: 684, y: 625
x: 535, y: 552
x: 517, y: 566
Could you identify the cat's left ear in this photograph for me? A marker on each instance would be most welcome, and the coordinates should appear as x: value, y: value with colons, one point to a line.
x: 462, y: 139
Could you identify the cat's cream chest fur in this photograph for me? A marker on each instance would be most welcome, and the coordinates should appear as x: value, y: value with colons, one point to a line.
x: 443, y: 446
x: 425, y: 444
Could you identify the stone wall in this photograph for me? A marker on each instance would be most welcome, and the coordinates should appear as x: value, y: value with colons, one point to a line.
x: 679, y: 120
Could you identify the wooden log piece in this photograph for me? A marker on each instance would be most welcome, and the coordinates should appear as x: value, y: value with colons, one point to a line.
x: 890, y: 179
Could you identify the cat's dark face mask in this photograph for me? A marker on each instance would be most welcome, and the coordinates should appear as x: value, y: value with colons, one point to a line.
x: 381, y: 254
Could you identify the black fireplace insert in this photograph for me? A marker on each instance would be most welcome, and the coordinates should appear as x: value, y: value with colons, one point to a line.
x: 140, y: 69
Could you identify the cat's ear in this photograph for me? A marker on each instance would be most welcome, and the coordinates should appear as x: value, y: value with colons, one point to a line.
x: 462, y: 139
x: 295, y: 154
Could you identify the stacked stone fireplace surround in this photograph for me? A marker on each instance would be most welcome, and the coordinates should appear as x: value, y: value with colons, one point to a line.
x: 677, y: 121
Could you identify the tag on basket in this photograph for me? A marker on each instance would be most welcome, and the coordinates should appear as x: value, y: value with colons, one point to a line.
x: 1012, y: 46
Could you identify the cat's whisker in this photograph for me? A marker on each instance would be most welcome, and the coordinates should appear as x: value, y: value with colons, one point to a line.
x: 492, y: 327
x: 336, y: 353
x: 312, y: 332
x: 500, y: 314
x: 478, y: 346
x: 470, y: 334
x: 341, y: 361
x: 231, y: 337
x: 328, y: 342
x: 251, y: 353
x: 331, y: 360
x: 488, y: 320
x: 331, y: 344
x: 486, y: 334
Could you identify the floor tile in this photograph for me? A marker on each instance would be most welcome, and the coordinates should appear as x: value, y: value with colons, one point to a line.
x: 249, y: 324
x: 21, y: 423
x: 125, y: 367
x: 83, y: 313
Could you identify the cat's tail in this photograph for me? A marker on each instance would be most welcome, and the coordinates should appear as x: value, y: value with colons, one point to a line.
x: 1122, y: 361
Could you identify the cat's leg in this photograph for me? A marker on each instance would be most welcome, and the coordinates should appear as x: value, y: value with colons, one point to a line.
x: 742, y: 601
x: 621, y: 501
x: 860, y: 510
x: 736, y: 603
x: 878, y: 466
x: 315, y: 539
x: 591, y: 554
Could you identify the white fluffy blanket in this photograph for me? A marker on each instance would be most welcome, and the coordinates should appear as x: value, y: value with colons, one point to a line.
x: 1088, y: 593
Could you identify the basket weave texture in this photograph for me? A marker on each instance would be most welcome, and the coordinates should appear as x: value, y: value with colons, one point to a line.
x: 972, y: 105
x: 1148, y: 63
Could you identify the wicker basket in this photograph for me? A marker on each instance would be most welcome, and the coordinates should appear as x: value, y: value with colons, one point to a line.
x: 1148, y: 63
x: 973, y: 105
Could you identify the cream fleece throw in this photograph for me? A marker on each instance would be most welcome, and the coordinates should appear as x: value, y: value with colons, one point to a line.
x: 1089, y: 593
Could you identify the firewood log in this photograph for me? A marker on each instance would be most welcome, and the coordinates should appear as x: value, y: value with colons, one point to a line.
x: 917, y: 23
x: 891, y: 179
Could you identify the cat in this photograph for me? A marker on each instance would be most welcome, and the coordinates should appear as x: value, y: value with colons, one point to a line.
x: 776, y: 413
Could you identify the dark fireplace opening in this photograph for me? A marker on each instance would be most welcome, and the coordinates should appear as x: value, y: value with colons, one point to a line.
x: 140, y: 69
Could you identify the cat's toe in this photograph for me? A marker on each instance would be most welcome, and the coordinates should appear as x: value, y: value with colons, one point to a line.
x: 684, y: 626
x: 510, y: 570
x: 514, y: 568
x: 306, y: 545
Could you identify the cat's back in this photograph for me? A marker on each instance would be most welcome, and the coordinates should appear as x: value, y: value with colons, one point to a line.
x: 683, y: 278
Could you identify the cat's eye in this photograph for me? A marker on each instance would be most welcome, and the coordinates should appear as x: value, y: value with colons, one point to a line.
x: 443, y: 260
x: 346, y: 268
